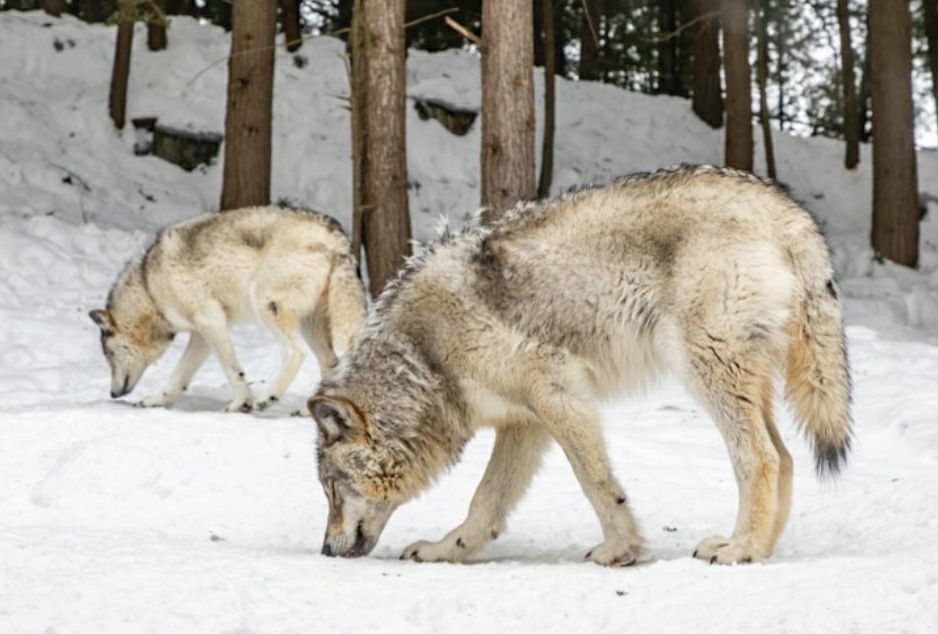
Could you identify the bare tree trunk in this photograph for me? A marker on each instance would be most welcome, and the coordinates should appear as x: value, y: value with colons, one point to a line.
x: 379, y: 111
x: 292, y: 30
x: 590, y: 33
x: 180, y: 7
x: 156, y: 29
x: 246, y: 174
x: 96, y: 10
x: 738, y: 84
x: 507, y: 104
x: 895, y: 182
x: 708, y: 94
x: 550, y: 100
x: 762, y: 76
x: 53, y: 7
x: 781, y: 44
x: 863, y: 103
x: 851, y: 115
x: 930, y: 9
x: 120, y: 72
x: 669, y: 78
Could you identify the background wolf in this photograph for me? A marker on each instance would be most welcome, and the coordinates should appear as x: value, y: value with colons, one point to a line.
x: 292, y: 270
x: 523, y: 325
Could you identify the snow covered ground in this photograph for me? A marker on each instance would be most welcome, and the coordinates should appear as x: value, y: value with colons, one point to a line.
x: 189, y: 520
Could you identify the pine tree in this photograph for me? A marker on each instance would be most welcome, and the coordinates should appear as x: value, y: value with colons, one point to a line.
x: 707, y: 92
x: 851, y: 114
x: 507, y: 104
x: 738, y: 84
x: 895, y: 183
x: 378, y: 113
x: 550, y: 99
x: 120, y: 72
x: 248, y: 117
x: 290, y: 16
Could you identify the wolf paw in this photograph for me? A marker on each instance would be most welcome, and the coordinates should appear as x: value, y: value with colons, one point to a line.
x: 615, y: 553
x: 240, y: 405
x: 265, y: 402
x: 431, y: 551
x: 719, y: 550
x: 155, y: 400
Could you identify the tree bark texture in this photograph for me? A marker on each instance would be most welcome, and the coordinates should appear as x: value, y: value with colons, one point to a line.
x: 550, y: 100
x: 120, y: 72
x: 249, y: 113
x: 707, y: 91
x: 851, y: 113
x: 738, y: 84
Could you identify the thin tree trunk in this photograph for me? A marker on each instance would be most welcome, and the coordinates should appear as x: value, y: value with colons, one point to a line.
x: 590, y: 30
x: 863, y: 103
x: 53, y: 7
x: 180, y: 7
x: 851, y: 116
x: 762, y: 74
x: 930, y: 9
x: 292, y: 31
x: 708, y: 94
x: 738, y: 84
x: 246, y: 175
x: 550, y: 100
x: 156, y: 29
x: 895, y: 183
x: 120, y: 72
x: 507, y: 105
x: 781, y: 43
x: 379, y: 76
x: 668, y: 76
x: 356, y: 51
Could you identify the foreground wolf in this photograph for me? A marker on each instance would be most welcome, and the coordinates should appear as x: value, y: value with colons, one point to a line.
x: 524, y: 325
x: 292, y: 270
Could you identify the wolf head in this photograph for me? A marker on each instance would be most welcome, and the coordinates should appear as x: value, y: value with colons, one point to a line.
x: 133, y: 334
x: 387, y: 427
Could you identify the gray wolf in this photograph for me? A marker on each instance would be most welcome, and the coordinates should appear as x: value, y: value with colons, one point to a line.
x: 291, y: 270
x: 710, y: 274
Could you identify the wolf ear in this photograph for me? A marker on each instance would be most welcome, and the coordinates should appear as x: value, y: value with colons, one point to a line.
x: 103, y: 319
x: 335, y: 417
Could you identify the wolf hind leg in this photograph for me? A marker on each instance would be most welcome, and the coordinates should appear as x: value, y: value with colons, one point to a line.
x: 315, y: 329
x: 515, y: 458
x: 733, y: 389
x: 284, y: 322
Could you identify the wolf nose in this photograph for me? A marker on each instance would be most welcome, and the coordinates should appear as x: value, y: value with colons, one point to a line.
x: 327, y: 550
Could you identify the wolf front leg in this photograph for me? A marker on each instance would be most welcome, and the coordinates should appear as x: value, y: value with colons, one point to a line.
x: 515, y: 457
x: 213, y: 326
x: 560, y: 398
x: 192, y: 359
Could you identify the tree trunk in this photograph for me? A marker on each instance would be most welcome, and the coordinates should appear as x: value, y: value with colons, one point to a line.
x: 708, y: 94
x: 180, y: 7
x: 53, y: 7
x: 96, y: 10
x: 550, y: 100
x: 851, y: 116
x: 120, y: 72
x: 781, y: 44
x: 156, y: 29
x: 895, y: 183
x: 246, y: 175
x: 507, y: 105
x: 738, y: 84
x: 930, y: 8
x: 292, y: 30
x: 379, y: 110
x: 762, y: 74
x: 863, y: 103
x: 669, y: 77
x: 590, y: 30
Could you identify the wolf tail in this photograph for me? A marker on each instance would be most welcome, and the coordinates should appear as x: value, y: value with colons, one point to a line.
x: 817, y: 375
x: 346, y: 301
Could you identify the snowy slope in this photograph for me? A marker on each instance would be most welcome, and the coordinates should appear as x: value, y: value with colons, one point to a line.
x: 114, y: 519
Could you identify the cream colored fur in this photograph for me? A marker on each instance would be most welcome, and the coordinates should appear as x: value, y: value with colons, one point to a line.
x: 526, y: 325
x: 290, y: 270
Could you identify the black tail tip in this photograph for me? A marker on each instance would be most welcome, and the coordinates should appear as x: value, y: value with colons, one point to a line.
x: 830, y: 458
